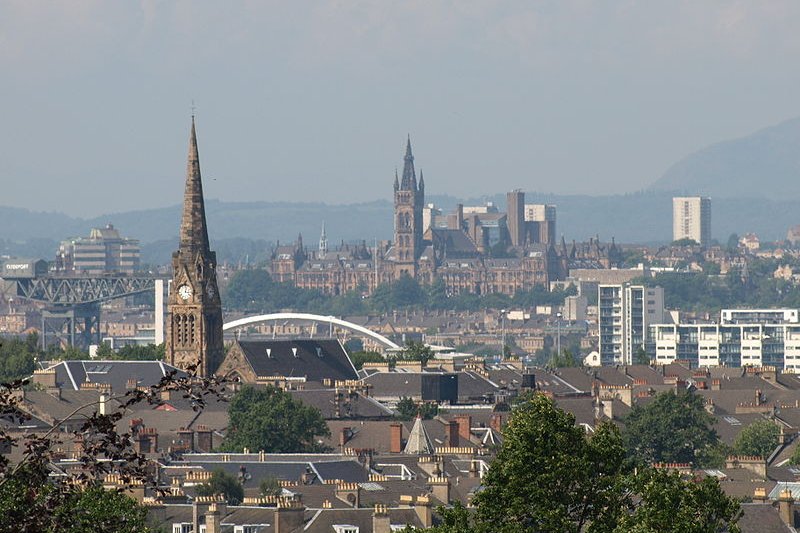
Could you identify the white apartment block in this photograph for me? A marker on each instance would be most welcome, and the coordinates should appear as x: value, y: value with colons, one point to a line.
x: 691, y: 219
x: 625, y: 315
x: 744, y: 337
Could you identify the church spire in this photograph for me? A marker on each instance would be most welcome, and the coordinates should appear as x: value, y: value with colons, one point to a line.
x: 409, y: 182
x: 396, y: 181
x: 421, y: 181
x: 323, y: 242
x: 194, y: 233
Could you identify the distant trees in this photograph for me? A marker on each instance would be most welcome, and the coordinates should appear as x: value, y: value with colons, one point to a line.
x: 759, y: 438
x: 269, y: 419
x: 225, y: 484
x: 671, y: 428
x: 408, y: 409
x: 254, y: 290
x: 17, y: 357
x: 359, y: 358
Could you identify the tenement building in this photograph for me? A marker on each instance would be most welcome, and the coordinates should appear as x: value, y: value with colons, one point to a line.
x: 475, y: 250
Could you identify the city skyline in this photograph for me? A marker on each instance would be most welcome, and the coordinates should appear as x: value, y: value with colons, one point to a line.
x: 563, y: 98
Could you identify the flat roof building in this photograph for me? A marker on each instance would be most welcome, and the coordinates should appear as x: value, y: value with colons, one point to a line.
x: 691, y: 219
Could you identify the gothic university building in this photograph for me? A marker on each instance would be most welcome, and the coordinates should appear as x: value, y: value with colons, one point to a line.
x: 194, y: 324
x: 473, y: 250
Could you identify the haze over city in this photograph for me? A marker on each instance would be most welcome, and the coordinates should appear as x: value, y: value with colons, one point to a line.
x: 301, y: 101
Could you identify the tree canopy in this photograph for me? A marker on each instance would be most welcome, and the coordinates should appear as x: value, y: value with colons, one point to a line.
x: 223, y: 483
x: 269, y: 419
x: 759, y: 438
x: 550, y: 477
x: 671, y: 428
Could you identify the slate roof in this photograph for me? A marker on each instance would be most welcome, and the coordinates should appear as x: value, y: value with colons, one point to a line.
x: 70, y: 374
x: 314, y: 359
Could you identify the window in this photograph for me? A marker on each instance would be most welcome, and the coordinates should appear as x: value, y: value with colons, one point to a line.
x: 182, y: 527
x: 345, y: 529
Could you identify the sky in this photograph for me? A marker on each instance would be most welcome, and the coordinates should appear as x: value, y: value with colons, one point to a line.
x: 312, y: 101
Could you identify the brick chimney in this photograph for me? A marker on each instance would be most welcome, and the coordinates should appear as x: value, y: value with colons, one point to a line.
x: 422, y: 506
x: 381, y: 522
x: 440, y: 488
x: 464, y: 426
x: 204, y: 439
x: 349, y: 493
x: 451, y: 434
x: 760, y: 495
x: 186, y: 436
x: 289, y: 515
x: 786, y: 507
x: 496, y: 422
x: 213, y: 519
x: 344, y: 436
x: 396, y: 437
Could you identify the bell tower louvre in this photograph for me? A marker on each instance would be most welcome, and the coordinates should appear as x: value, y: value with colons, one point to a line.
x: 194, y: 323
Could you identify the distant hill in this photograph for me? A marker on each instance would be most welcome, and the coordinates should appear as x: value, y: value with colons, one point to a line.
x: 765, y: 164
x: 246, y: 230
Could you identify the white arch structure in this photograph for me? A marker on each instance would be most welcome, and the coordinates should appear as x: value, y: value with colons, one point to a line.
x: 332, y: 320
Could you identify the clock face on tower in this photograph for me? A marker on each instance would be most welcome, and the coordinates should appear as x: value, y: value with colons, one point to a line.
x: 185, y: 292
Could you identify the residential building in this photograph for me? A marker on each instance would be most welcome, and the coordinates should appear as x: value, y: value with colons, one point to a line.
x: 103, y: 251
x: 625, y: 313
x: 691, y: 219
x: 743, y: 337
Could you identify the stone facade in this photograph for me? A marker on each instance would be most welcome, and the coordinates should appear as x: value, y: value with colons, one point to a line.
x: 194, y: 325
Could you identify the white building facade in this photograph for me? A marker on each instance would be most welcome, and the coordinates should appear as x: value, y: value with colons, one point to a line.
x: 625, y: 313
x: 691, y: 219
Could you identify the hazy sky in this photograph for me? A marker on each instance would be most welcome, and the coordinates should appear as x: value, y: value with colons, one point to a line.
x: 312, y: 100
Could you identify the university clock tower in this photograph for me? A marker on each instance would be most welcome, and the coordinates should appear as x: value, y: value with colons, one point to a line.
x: 194, y: 323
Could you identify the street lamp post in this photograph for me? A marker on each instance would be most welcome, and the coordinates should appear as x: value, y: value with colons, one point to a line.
x: 558, y: 335
x: 503, y: 330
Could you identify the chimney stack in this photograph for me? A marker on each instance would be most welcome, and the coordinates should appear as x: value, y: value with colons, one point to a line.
x: 451, y: 434
x: 786, y: 507
x: 464, y: 426
x: 396, y: 437
x: 204, y: 439
x: 496, y: 422
x: 381, y: 522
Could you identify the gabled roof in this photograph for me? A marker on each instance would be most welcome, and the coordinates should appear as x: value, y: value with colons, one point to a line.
x: 314, y: 359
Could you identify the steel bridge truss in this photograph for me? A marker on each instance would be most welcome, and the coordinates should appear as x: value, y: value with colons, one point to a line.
x: 70, y: 291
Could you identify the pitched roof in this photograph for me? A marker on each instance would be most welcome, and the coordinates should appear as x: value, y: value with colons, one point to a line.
x: 314, y: 359
x: 71, y: 374
x: 418, y: 441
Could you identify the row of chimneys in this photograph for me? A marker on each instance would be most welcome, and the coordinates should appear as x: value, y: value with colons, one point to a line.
x: 461, y: 427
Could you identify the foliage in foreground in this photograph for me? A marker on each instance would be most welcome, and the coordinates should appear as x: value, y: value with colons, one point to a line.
x: 32, y: 500
x: 549, y: 477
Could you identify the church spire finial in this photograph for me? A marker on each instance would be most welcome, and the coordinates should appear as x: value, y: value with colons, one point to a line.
x: 409, y: 182
x: 194, y: 233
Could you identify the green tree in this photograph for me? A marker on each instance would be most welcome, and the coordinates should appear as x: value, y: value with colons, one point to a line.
x: 671, y: 504
x: 150, y: 352
x: 640, y: 356
x: 549, y: 477
x: 415, y: 351
x: 672, y: 428
x: 359, y: 358
x: 686, y: 241
x: 223, y: 483
x: 105, y: 351
x: 408, y: 409
x: 759, y: 438
x: 270, y: 419
x: 270, y: 486
x: 16, y: 358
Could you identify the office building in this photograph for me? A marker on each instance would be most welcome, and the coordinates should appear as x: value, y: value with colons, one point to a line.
x: 625, y: 314
x: 691, y: 219
x: 104, y: 251
x: 541, y: 222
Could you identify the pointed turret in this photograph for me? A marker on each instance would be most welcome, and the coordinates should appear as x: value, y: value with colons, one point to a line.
x: 418, y: 441
x: 194, y: 233
x: 409, y: 181
x: 323, y: 242
x: 421, y: 181
x: 396, y: 181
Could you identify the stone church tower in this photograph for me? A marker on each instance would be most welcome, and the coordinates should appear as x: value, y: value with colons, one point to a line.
x: 194, y: 324
x: 409, y: 198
